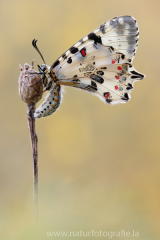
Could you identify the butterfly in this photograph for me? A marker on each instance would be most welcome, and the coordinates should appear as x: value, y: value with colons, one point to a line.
x: 100, y: 63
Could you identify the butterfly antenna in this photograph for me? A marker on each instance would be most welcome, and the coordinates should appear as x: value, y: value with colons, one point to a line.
x: 35, y: 46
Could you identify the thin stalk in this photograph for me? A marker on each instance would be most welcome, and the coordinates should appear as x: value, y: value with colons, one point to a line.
x: 34, y: 144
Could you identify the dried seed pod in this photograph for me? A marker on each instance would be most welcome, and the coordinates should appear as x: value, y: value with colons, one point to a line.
x: 28, y: 93
x: 31, y: 95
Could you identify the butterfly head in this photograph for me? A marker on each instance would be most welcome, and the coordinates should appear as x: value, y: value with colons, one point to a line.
x: 47, y: 80
x: 45, y: 69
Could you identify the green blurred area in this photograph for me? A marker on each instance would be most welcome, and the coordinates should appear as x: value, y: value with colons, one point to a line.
x: 98, y: 164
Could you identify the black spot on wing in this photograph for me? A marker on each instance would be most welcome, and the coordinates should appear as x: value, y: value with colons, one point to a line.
x: 129, y: 86
x: 109, y: 100
x: 55, y: 64
x: 103, y: 67
x: 111, y: 49
x: 137, y: 75
x: 97, y: 78
x: 64, y: 56
x: 73, y: 50
x: 100, y: 73
x: 94, y: 85
x: 95, y: 38
x: 69, y: 60
x: 126, y: 97
x: 129, y: 65
x: 76, y: 80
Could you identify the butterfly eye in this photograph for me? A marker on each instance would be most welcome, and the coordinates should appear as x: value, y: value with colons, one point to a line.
x: 43, y: 68
x: 45, y: 81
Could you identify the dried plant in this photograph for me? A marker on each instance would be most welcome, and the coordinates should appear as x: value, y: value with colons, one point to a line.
x: 31, y: 93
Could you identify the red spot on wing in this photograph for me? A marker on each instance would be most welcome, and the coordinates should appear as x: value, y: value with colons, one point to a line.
x: 117, y: 77
x: 119, y: 68
x: 83, y: 52
x: 113, y: 61
x: 116, y: 87
x: 107, y: 95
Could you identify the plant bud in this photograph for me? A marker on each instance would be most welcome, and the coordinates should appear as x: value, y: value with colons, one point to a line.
x: 28, y: 77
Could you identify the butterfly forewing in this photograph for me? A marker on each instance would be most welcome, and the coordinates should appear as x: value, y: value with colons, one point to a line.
x: 112, y: 45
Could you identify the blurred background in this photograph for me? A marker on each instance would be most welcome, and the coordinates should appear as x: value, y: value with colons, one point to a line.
x: 98, y: 164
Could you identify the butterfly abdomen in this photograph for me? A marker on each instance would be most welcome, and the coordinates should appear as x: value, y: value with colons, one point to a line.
x: 51, y: 104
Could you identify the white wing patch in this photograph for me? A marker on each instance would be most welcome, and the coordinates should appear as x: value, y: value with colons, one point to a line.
x: 121, y: 33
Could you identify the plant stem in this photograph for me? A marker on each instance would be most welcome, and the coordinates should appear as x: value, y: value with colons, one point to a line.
x: 34, y: 141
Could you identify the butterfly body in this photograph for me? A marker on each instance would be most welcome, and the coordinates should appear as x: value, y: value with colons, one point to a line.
x: 99, y: 63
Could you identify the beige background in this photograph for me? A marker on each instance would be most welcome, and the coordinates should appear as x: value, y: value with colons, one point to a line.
x: 98, y: 164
